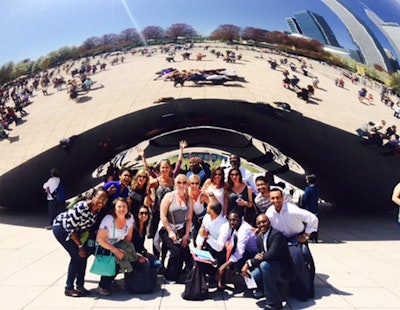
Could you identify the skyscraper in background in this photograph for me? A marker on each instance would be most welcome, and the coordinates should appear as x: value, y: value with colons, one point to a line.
x: 293, y: 26
x: 370, y: 48
x: 391, y: 30
x: 313, y: 26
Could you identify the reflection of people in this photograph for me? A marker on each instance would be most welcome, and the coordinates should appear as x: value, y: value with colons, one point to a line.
x: 396, y: 198
x: 54, y: 207
x: 272, y: 266
x: 66, y: 229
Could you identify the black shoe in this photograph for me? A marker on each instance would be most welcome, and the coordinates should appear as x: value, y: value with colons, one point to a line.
x: 83, y: 291
x: 72, y: 293
x: 274, y: 306
x: 258, y: 294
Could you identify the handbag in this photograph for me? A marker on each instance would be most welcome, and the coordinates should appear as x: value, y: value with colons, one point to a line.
x: 104, y: 265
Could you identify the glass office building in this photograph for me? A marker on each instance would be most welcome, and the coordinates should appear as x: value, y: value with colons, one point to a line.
x: 313, y: 26
x: 370, y: 48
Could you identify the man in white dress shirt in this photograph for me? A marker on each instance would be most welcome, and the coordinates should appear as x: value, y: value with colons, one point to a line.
x: 297, y: 225
x: 240, y: 241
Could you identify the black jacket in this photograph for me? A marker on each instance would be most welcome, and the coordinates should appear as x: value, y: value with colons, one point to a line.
x: 277, y: 251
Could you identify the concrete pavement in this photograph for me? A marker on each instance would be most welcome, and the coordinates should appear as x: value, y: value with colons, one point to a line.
x: 356, y: 268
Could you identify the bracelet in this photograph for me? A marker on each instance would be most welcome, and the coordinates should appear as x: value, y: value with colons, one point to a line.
x: 80, y: 246
x: 306, y: 237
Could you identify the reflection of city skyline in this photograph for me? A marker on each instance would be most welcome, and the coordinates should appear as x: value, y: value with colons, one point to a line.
x: 370, y: 49
x: 386, y: 10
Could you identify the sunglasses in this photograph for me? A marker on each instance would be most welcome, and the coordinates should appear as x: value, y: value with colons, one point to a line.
x: 217, y: 174
x: 234, y: 174
x: 181, y: 182
x: 143, y: 213
x: 194, y: 183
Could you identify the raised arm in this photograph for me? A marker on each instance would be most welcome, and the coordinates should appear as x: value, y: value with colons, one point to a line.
x: 182, y: 145
x: 141, y: 153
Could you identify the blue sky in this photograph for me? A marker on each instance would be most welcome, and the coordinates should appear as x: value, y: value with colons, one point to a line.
x: 34, y: 28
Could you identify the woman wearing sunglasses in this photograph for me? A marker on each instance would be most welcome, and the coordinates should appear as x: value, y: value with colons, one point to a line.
x: 217, y: 189
x: 199, y: 200
x: 139, y: 236
x: 240, y: 197
x: 176, y: 212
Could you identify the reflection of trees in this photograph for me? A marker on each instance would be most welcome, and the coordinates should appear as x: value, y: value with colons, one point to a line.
x: 226, y: 33
x: 255, y: 34
x: 180, y: 30
x: 395, y: 82
x: 153, y: 33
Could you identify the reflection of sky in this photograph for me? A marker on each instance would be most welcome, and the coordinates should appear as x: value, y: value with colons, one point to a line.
x: 32, y: 28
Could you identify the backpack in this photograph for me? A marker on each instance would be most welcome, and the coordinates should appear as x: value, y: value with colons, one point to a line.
x: 59, y: 193
x: 195, y: 284
x: 141, y: 281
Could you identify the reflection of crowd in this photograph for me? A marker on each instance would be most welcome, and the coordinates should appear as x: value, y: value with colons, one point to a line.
x: 376, y: 133
x: 17, y: 95
x: 177, y: 206
x: 212, y: 76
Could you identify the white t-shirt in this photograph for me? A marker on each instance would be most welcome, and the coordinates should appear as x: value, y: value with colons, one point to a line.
x: 108, y: 223
x: 52, y: 183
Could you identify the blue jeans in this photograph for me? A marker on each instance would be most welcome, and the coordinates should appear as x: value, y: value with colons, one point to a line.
x: 54, y: 208
x: 77, y: 264
x: 267, y: 277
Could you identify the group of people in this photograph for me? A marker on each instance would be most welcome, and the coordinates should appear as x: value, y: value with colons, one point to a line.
x: 215, y: 77
x: 377, y: 133
x: 248, y: 227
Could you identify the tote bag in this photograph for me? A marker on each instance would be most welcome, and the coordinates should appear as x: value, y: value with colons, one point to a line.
x: 104, y: 265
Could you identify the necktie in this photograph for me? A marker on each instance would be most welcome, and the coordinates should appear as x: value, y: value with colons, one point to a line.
x: 232, y: 245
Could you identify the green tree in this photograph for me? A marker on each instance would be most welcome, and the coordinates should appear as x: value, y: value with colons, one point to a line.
x: 395, y: 82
